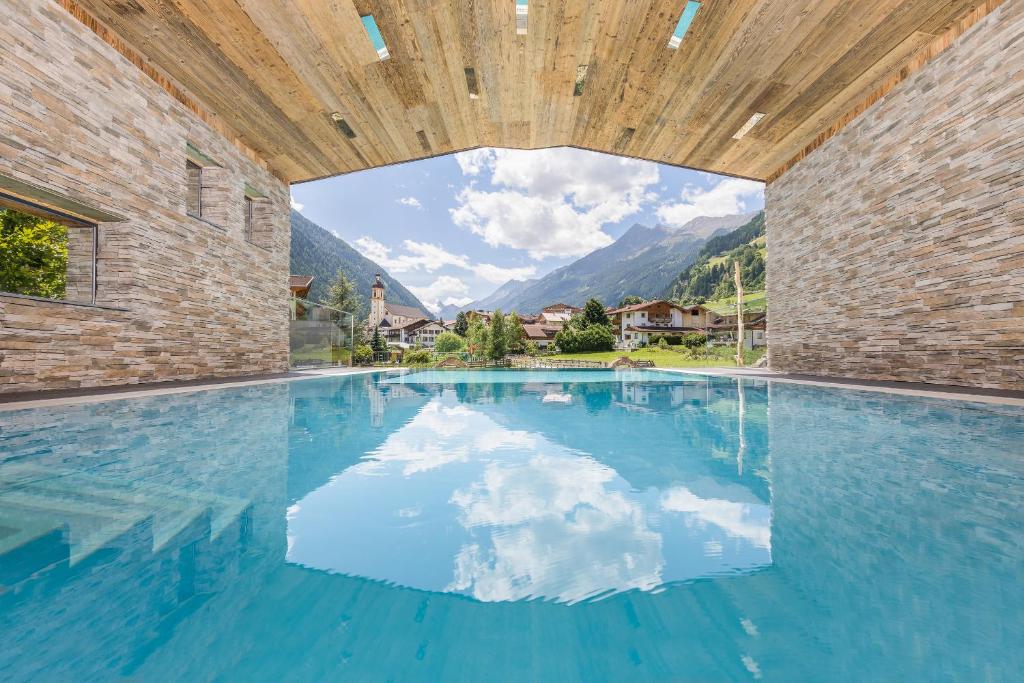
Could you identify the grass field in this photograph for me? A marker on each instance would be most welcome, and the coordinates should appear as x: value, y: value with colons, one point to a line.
x: 752, y: 301
x: 664, y: 358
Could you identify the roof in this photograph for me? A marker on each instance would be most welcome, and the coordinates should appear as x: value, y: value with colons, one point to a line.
x: 648, y: 304
x: 305, y: 63
x: 559, y: 307
x: 539, y: 332
x: 300, y: 281
x: 404, y: 311
x: 560, y: 316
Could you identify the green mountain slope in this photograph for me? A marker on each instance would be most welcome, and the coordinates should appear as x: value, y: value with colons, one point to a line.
x: 711, y: 274
x: 319, y: 253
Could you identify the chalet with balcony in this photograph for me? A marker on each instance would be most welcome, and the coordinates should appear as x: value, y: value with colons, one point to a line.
x: 635, y: 325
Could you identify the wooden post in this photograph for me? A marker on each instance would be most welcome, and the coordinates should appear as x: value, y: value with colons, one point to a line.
x: 739, y: 315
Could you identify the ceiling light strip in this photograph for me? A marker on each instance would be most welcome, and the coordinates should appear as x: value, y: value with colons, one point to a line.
x: 751, y: 122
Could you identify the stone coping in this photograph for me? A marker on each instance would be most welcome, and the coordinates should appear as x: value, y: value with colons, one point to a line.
x: 56, y: 398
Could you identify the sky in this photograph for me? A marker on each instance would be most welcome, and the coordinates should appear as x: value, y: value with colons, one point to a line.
x: 454, y: 228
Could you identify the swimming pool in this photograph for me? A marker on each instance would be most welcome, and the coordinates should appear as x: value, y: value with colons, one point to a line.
x: 508, y: 525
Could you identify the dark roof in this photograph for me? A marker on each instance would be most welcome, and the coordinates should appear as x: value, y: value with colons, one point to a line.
x: 300, y: 281
x: 540, y: 332
x: 404, y: 311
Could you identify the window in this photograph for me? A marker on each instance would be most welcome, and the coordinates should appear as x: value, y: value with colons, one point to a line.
x: 194, y: 198
x: 46, y: 254
x: 250, y: 207
x: 376, y: 38
x: 685, y: 19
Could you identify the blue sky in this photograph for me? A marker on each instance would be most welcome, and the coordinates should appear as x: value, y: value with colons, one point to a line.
x: 454, y: 228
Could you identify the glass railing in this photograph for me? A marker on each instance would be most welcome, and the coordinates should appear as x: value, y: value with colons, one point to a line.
x: 319, y: 336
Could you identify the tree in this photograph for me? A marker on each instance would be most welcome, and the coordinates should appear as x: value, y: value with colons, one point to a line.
x: 630, y: 300
x: 515, y: 333
x: 33, y: 255
x: 499, y: 342
x: 378, y: 343
x: 342, y: 296
x: 449, y: 342
x: 461, y: 326
x: 478, y: 337
x: 593, y: 313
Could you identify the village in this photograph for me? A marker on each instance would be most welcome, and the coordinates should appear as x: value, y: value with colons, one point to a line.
x: 634, y: 326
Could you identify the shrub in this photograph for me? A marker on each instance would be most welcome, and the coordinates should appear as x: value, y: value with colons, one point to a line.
x: 571, y: 339
x: 363, y: 355
x: 530, y: 347
x: 449, y: 342
x: 662, y: 344
x: 417, y: 357
x: 695, y: 340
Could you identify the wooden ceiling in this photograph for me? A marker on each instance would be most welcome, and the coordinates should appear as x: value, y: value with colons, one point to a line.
x: 273, y: 71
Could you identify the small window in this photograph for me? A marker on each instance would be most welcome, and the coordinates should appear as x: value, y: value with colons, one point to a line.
x: 194, y: 199
x: 46, y: 254
x: 257, y: 217
x: 250, y: 207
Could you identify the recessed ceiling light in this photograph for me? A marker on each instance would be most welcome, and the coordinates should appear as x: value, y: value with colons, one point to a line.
x: 751, y: 122
x: 522, y: 9
x: 685, y: 19
x: 376, y: 39
x: 342, y: 125
x: 581, y: 79
x: 471, y: 84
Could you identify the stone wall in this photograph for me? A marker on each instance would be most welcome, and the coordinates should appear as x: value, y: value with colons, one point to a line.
x: 896, y: 249
x: 178, y: 297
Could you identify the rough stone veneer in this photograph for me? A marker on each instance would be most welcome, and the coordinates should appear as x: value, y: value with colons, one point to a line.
x: 896, y: 249
x: 198, y: 300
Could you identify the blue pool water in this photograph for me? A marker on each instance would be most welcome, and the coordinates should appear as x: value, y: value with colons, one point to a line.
x: 509, y: 526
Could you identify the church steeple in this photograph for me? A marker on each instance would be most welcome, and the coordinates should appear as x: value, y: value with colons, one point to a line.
x: 376, y: 301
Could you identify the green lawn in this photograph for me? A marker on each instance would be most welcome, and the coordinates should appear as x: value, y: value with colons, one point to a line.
x: 670, y: 359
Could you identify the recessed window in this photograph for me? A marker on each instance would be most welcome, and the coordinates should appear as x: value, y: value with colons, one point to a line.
x: 257, y: 217
x: 46, y: 254
x: 581, y: 79
x: 522, y: 11
x: 376, y: 38
x: 194, y: 196
x: 685, y: 19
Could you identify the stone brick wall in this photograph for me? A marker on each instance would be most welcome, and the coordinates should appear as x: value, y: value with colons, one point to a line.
x: 194, y: 298
x: 896, y: 249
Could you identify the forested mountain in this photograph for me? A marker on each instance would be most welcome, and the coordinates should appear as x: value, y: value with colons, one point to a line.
x: 711, y: 275
x: 317, y: 252
x: 642, y: 262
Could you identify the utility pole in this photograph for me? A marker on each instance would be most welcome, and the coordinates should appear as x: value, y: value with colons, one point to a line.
x: 739, y: 315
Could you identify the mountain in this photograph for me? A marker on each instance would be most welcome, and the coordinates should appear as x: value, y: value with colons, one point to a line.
x: 317, y: 252
x: 643, y: 262
x: 499, y: 298
x: 711, y: 276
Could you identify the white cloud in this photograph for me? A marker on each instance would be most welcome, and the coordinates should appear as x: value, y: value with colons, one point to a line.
x: 295, y: 204
x: 499, y: 275
x: 729, y: 196
x: 441, y: 291
x: 410, y: 201
x: 474, y: 161
x: 551, y: 202
x: 432, y: 257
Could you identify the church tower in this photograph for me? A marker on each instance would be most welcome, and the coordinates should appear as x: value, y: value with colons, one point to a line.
x: 377, y: 302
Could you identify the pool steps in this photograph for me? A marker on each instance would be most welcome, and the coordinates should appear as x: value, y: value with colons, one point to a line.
x: 95, y: 509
